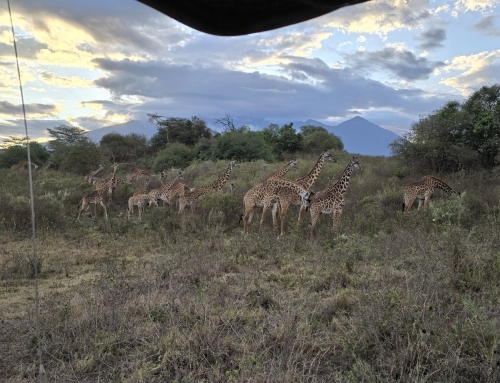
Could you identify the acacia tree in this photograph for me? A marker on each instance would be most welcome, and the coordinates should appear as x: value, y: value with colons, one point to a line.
x: 174, y: 129
x: 72, y: 150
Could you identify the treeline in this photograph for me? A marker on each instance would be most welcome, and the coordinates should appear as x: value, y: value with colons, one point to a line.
x: 177, y: 143
x: 458, y: 136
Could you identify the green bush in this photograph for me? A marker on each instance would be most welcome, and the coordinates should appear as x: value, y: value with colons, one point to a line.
x: 174, y: 155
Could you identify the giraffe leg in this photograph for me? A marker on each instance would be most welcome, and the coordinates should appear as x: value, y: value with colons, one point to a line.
x: 263, y: 218
x: 274, y: 213
x: 284, y: 210
x: 301, y: 213
x: 336, y: 222
x: 105, y: 210
x: 314, y: 219
x: 409, y: 204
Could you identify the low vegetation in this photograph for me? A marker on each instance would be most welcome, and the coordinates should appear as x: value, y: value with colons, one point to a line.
x: 398, y: 298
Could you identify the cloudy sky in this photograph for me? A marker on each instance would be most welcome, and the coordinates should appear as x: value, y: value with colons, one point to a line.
x: 98, y: 63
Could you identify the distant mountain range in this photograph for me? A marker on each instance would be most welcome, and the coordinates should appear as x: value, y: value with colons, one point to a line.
x: 359, y: 136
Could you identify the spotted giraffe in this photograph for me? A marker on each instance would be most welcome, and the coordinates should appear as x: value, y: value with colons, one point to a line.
x: 136, y: 174
x: 277, y: 174
x: 280, y: 173
x: 331, y: 181
x: 140, y: 201
x: 265, y: 194
x: 423, y: 190
x: 290, y: 198
x: 89, y: 178
x: 220, y: 182
x: 23, y: 165
x: 192, y: 198
x: 332, y: 201
x: 163, y: 192
x: 96, y: 197
x: 179, y: 190
x: 144, y: 188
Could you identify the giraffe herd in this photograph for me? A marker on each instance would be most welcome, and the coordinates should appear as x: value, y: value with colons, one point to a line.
x: 274, y: 193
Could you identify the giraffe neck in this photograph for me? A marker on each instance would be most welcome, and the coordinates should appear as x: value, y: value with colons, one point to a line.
x: 219, y: 182
x: 308, y: 180
x: 280, y: 173
x: 172, y: 183
x: 437, y: 183
x: 341, y: 185
x: 97, y: 171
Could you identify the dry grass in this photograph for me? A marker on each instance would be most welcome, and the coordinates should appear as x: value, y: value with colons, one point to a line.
x: 398, y: 298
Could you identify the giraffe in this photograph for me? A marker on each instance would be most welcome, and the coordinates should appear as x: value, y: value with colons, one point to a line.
x: 136, y: 174
x: 277, y: 174
x: 220, y: 182
x: 179, y: 190
x: 265, y: 194
x: 144, y: 188
x: 192, y: 198
x: 280, y: 173
x: 89, y: 178
x: 423, y: 190
x: 96, y: 197
x: 288, y: 197
x: 163, y: 192
x: 21, y: 165
x: 322, y: 192
x: 139, y: 200
x: 332, y: 201
x: 163, y: 176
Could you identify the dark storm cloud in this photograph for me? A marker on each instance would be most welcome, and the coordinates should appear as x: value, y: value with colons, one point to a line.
x: 489, y: 25
x: 189, y: 90
x: 16, y: 110
x: 26, y: 48
x: 432, y: 38
x: 402, y: 63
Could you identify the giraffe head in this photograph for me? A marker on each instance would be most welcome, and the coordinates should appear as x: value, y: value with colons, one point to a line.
x: 355, y: 163
x: 35, y: 166
x: 163, y: 175
x: 233, y: 163
x: 328, y: 157
x: 293, y: 164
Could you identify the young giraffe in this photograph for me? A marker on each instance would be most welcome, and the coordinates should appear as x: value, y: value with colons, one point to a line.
x: 89, y: 178
x: 136, y: 174
x: 144, y: 188
x: 192, y: 198
x: 288, y: 197
x: 96, y: 197
x: 220, y: 182
x: 179, y: 190
x: 277, y: 174
x: 423, y: 190
x: 139, y: 200
x: 280, y: 173
x: 332, y: 201
x: 163, y: 192
x: 23, y: 165
x: 323, y: 192
x: 265, y: 194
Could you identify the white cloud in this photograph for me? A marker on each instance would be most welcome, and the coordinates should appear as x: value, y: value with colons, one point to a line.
x: 475, y: 5
x: 477, y: 69
x: 361, y: 39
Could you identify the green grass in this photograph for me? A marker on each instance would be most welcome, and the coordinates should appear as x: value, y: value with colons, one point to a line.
x: 398, y: 298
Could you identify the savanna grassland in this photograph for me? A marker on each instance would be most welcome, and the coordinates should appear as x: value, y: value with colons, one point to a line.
x: 398, y: 298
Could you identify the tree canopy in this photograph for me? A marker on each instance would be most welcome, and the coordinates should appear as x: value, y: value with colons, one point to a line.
x: 456, y: 136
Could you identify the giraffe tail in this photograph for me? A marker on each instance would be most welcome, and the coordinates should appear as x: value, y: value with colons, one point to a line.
x: 403, y: 207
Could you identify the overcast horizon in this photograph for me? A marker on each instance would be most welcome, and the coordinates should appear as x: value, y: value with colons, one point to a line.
x: 101, y: 63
